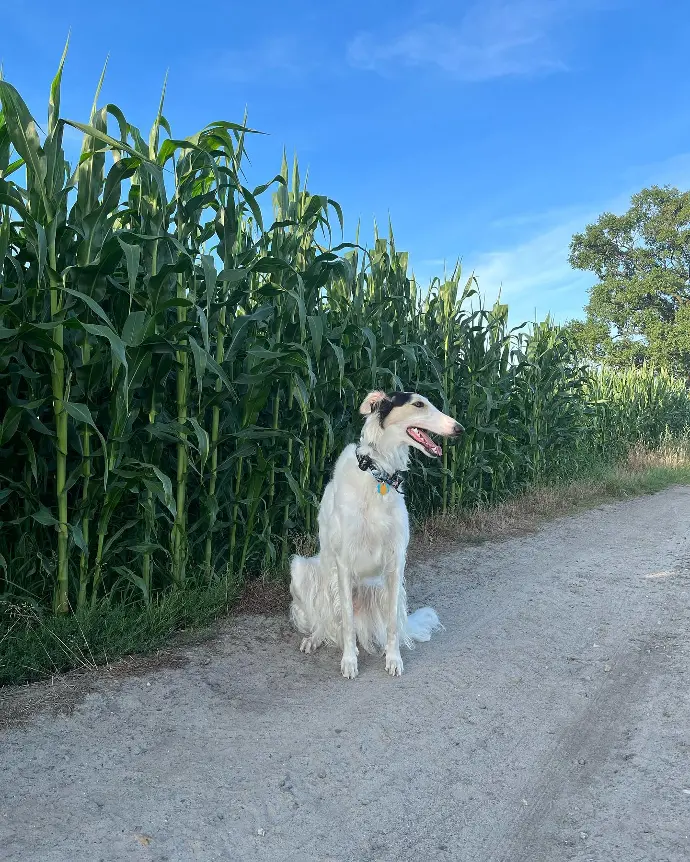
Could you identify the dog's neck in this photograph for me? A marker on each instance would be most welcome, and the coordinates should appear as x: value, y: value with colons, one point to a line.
x: 389, y: 458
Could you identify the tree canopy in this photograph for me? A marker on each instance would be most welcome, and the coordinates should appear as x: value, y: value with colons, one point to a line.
x: 639, y: 310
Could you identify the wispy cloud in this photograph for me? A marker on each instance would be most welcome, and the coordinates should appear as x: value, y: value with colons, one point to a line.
x: 494, y: 39
x: 533, y: 274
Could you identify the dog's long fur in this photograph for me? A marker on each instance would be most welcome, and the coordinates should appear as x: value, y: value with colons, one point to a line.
x: 353, y: 591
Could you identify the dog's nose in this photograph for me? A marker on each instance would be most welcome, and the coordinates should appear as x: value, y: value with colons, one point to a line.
x: 458, y: 429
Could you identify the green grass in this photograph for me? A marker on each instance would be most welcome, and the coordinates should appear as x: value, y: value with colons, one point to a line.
x: 36, y: 644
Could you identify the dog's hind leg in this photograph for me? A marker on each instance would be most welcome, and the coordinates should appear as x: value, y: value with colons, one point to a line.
x: 310, y: 644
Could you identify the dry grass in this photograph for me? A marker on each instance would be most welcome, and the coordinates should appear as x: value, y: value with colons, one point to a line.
x: 673, y: 454
x: 264, y: 597
x: 305, y: 546
x: 644, y: 471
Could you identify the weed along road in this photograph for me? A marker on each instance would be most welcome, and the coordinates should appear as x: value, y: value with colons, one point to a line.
x: 549, y: 722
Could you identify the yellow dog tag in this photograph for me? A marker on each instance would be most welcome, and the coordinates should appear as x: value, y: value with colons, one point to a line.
x: 382, y: 488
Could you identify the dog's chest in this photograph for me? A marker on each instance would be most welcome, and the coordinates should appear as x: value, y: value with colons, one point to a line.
x: 378, y: 531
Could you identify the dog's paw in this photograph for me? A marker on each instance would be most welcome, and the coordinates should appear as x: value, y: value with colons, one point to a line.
x: 394, y: 664
x: 348, y: 667
x: 308, y: 645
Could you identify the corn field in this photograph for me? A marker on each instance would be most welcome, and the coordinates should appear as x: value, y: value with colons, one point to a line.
x: 178, y: 370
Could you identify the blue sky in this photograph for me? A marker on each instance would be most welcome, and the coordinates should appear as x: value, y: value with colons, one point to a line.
x: 489, y: 131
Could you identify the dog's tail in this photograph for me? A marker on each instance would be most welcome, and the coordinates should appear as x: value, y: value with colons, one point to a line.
x: 422, y: 623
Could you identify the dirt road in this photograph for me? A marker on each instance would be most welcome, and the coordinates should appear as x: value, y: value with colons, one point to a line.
x: 549, y: 722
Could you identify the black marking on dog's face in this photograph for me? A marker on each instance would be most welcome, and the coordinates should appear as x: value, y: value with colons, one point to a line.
x: 397, y: 399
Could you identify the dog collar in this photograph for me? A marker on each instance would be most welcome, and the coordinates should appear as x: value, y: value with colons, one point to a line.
x: 395, y: 480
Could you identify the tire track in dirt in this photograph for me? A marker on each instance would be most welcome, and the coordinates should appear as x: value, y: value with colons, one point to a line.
x: 584, y: 750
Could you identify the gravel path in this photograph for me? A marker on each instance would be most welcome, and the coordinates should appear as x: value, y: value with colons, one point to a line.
x: 549, y: 722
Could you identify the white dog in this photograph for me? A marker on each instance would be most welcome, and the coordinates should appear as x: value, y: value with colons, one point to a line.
x: 354, y: 589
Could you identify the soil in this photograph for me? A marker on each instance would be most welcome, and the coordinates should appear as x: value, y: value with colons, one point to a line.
x: 550, y: 721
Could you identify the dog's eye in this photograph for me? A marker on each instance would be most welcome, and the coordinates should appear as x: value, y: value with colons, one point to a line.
x: 418, y: 404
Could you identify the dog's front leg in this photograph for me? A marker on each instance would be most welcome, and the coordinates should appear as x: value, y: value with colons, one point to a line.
x: 394, y: 578
x: 348, y: 665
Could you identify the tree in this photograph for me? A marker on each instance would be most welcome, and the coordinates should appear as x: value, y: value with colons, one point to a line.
x: 639, y: 311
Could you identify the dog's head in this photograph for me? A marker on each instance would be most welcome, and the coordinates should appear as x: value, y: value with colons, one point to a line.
x: 402, y: 420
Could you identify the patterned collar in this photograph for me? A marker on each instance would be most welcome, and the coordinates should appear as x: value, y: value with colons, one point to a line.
x: 395, y: 481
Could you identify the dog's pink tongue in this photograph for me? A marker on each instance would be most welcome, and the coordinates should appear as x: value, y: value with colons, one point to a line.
x: 425, y: 440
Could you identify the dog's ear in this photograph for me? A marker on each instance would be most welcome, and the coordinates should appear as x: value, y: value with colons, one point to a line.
x: 371, y: 402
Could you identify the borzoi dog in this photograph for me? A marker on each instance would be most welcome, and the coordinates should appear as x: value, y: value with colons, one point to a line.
x: 353, y: 591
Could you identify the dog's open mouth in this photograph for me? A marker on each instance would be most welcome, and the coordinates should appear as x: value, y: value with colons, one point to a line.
x: 424, y: 440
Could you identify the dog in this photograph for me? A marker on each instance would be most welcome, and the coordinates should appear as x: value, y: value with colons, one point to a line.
x: 353, y: 591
